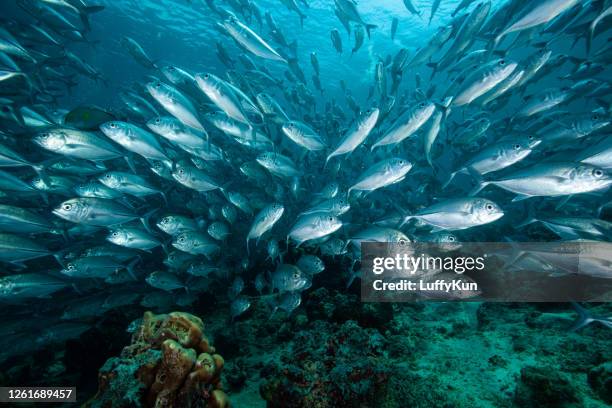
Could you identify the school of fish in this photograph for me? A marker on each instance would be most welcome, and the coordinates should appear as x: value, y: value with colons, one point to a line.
x: 248, y: 181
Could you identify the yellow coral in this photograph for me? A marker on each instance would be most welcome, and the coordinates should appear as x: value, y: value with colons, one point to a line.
x: 185, y: 373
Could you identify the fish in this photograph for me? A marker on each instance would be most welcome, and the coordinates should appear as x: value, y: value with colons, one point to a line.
x: 137, y: 52
x: 136, y: 238
x: 21, y: 220
x: 542, y: 13
x: 288, y: 278
x: 313, y: 226
x: 411, y: 8
x: 406, y: 125
x: 394, y: 24
x: 223, y: 95
x: 164, y: 281
x: 310, y: 264
x: 29, y: 285
x: 135, y: 139
x: 278, y: 165
x: 497, y: 157
x: 173, y: 224
x: 585, y: 318
x: 552, y: 180
x: 303, y: 135
x: 194, y: 178
x: 196, y: 243
x: 250, y: 40
x: 16, y: 249
x: 483, y: 80
x: 336, y: 41
x: 357, y: 133
x: 100, y: 266
x: 292, y: 5
x: 264, y: 221
x: 434, y: 7
x: 177, y: 104
x: 458, y: 213
x: 128, y: 183
x: 87, y: 117
x: 146, y: 164
x: 94, y: 211
x: 349, y: 9
x: 77, y: 144
x: 240, y: 305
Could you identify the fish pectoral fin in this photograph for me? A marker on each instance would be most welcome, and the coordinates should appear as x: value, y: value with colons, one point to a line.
x: 521, y: 197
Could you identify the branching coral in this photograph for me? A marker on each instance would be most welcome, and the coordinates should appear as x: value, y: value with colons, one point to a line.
x: 169, y: 363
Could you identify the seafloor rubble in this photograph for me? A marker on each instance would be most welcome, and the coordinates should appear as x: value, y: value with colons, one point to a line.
x: 338, y: 352
x: 169, y: 363
x: 335, y: 351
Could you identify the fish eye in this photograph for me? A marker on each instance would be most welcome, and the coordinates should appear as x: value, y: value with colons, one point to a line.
x: 422, y: 105
x: 489, y: 207
x: 530, y: 137
x: 70, y: 267
x: 171, y: 258
x: 206, y: 76
x: 113, y: 125
x: 595, y: 117
x: 330, y: 218
x: 402, y: 242
x: 517, y: 146
x: 67, y: 207
x: 502, y: 63
x: 598, y: 172
x: 158, y: 120
x: 401, y: 162
x: 181, y: 240
x: 115, y: 234
x: 451, y: 238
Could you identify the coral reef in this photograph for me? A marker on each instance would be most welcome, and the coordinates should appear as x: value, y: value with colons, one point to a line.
x: 169, y: 363
x: 328, y: 368
x: 600, y: 379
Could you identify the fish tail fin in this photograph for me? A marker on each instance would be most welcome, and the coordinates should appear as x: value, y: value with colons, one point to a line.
x: 130, y: 163
x: 92, y: 9
x: 584, y: 317
x: 369, y: 27
x: 405, y: 214
x: 164, y: 197
x: 450, y: 178
x: 351, y: 279
x: 327, y: 161
x: 531, y: 217
x: 130, y: 267
x: 59, y: 258
x: 145, y: 219
x: 434, y: 68
x: 480, y: 183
